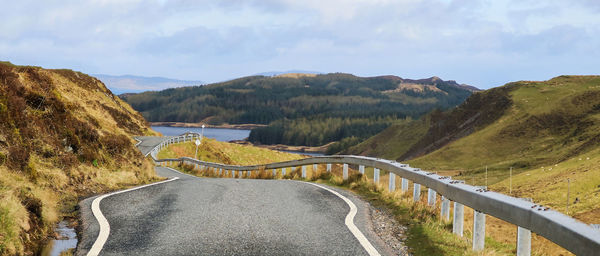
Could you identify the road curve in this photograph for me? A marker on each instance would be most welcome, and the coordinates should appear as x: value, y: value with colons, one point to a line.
x: 210, y: 216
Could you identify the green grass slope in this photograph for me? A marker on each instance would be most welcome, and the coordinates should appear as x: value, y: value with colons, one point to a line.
x: 547, y: 123
x: 548, y: 132
x: 437, y: 129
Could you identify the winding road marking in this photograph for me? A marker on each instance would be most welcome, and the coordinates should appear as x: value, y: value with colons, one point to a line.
x: 103, y: 222
x: 350, y: 222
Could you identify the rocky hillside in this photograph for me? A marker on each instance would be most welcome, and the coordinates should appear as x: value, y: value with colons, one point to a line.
x: 63, y: 135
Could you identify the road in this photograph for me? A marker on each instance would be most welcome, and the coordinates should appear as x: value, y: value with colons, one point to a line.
x: 147, y: 143
x: 219, y: 216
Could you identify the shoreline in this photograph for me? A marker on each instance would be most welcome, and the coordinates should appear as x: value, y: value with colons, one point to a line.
x: 281, y: 147
x: 199, y: 125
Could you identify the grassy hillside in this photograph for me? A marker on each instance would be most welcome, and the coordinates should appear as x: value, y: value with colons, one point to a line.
x: 437, y: 129
x: 303, y: 109
x: 63, y: 135
x: 547, y: 123
x: 215, y: 151
x: 547, y: 132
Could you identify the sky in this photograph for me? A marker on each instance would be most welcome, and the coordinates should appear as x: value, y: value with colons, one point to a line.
x: 485, y: 43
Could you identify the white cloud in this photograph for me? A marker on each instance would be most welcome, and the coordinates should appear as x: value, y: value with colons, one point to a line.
x: 217, y: 40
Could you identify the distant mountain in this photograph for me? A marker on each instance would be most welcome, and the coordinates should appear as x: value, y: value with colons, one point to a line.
x: 276, y: 73
x: 300, y: 108
x: 137, y: 84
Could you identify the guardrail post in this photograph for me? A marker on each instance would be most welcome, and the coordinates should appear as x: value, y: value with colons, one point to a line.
x: 431, y: 197
x: 283, y: 171
x: 304, y: 171
x: 314, y: 170
x: 523, y: 242
x: 361, y: 169
x: 376, y: 175
x: 445, y: 212
x: 345, y: 172
x: 293, y: 169
x: 478, y: 230
x: 233, y: 173
x: 220, y: 171
x: 416, y: 192
x: 328, y: 167
x: 404, y: 185
x: 392, y: 182
x: 458, y: 221
x: 274, y: 172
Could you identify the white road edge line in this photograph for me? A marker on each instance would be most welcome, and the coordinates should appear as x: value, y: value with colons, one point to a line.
x: 350, y: 222
x: 139, y: 142
x: 174, y: 170
x: 103, y: 222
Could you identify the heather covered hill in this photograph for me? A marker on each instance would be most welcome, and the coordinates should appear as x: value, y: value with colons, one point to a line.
x: 63, y: 135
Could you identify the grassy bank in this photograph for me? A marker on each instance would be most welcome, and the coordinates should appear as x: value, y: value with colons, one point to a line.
x: 63, y: 136
x: 215, y: 151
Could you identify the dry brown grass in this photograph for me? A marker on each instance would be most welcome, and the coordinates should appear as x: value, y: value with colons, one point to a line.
x: 58, y: 142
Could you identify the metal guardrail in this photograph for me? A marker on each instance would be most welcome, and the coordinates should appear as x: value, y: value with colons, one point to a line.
x: 575, y: 236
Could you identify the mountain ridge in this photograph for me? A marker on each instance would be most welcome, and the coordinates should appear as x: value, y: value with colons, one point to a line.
x: 328, y: 107
x: 135, y: 84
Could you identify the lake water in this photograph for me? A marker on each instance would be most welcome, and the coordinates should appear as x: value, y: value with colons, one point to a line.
x: 213, y: 133
x: 219, y: 134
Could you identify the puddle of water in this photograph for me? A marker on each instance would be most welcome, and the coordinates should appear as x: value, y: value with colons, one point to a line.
x: 57, y: 246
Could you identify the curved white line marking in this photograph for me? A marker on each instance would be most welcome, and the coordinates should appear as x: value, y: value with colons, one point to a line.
x: 139, y: 142
x: 104, y: 226
x: 350, y: 222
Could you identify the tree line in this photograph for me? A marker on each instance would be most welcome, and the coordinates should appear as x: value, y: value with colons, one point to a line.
x: 300, y: 111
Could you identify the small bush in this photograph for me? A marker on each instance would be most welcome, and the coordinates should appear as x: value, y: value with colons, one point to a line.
x: 188, y: 168
x: 2, y: 158
x: 31, y: 203
x: 18, y: 157
x: 263, y: 174
x: 68, y: 160
x: 115, y: 144
x: 321, y: 175
x: 31, y: 171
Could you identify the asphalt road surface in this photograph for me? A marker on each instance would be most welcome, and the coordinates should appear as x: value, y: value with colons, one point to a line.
x: 147, y: 143
x: 224, y: 216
